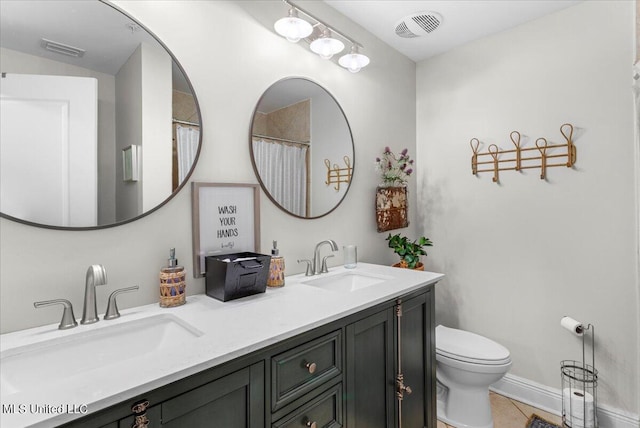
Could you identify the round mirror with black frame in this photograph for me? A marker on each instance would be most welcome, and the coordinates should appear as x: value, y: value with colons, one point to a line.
x: 100, y: 125
x: 302, y: 148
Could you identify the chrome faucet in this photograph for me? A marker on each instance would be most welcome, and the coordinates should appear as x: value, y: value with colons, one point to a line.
x: 96, y: 275
x: 317, y: 269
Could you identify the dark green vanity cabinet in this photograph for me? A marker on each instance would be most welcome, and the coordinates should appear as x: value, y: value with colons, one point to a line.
x: 390, y: 375
x: 347, y: 373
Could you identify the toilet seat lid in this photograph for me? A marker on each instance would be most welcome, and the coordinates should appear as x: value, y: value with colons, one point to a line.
x: 466, y: 346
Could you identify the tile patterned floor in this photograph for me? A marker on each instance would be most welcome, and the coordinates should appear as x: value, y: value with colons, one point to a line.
x: 508, y: 413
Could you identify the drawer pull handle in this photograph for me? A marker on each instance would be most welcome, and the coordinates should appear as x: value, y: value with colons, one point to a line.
x: 311, y: 367
x: 311, y: 424
x: 140, y: 407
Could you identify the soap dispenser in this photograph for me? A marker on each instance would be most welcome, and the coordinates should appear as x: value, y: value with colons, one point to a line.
x: 276, y: 268
x: 172, y: 283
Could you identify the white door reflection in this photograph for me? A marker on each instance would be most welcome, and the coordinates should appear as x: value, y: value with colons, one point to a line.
x: 48, y: 169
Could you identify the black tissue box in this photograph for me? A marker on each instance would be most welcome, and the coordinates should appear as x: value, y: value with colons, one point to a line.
x: 231, y: 276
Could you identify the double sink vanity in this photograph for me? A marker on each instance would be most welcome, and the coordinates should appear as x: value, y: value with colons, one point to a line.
x: 353, y: 347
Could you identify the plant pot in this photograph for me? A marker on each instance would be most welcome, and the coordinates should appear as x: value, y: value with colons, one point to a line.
x: 403, y: 265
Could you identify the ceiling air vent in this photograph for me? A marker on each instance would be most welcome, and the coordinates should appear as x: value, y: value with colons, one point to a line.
x: 61, y: 48
x: 418, y: 24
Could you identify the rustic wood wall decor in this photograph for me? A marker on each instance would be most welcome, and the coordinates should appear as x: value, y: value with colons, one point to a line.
x: 392, y: 211
x: 518, y: 159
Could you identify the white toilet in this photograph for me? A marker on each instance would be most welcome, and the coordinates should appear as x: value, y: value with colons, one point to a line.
x: 467, y: 364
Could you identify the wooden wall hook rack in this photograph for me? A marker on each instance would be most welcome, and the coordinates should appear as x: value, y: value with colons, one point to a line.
x: 337, y: 175
x: 519, y: 159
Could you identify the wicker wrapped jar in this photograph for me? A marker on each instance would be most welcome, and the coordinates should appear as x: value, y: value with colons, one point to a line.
x: 172, y: 283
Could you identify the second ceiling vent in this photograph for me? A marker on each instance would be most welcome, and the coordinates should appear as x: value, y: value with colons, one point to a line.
x: 418, y: 24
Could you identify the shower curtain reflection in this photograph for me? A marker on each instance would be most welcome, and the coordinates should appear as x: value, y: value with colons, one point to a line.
x: 187, y: 148
x: 283, y: 169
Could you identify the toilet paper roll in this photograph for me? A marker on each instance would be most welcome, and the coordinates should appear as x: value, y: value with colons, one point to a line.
x: 579, y: 423
x: 572, y: 325
x: 578, y: 408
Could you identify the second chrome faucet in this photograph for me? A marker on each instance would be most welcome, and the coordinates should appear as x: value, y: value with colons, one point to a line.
x: 316, y: 267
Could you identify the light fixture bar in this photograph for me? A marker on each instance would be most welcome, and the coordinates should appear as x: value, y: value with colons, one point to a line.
x: 319, y: 21
x: 324, y: 44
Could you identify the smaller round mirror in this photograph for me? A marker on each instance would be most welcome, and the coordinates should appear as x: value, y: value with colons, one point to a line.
x: 302, y: 148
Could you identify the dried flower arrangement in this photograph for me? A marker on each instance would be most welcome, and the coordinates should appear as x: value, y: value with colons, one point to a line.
x: 395, y: 170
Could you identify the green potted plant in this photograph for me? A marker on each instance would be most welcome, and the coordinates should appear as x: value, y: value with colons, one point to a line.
x: 409, y: 251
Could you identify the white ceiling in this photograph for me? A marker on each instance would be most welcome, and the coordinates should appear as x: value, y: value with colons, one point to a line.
x: 462, y: 20
x: 104, y: 32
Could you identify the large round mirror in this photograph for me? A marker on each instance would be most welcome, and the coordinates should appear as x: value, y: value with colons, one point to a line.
x: 99, y: 124
x: 302, y: 148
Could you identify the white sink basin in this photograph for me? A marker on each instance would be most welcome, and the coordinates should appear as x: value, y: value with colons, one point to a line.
x: 347, y: 281
x: 53, y: 361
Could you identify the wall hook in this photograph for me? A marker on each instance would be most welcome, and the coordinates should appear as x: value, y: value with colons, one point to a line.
x: 493, y: 150
x: 474, y: 157
x: 519, y: 158
x: 337, y: 175
x: 571, y: 149
x: 515, y: 139
x: 542, y: 147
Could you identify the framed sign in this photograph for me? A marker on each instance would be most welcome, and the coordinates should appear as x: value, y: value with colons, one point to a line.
x: 226, y: 219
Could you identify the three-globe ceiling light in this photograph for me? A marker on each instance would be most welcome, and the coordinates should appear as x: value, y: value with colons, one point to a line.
x: 294, y: 28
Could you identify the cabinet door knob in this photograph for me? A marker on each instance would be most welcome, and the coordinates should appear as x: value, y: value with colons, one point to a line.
x: 311, y: 424
x: 141, y: 422
x: 312, y: 369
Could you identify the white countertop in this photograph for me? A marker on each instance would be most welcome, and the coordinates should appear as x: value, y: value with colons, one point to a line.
x: 228, y: 330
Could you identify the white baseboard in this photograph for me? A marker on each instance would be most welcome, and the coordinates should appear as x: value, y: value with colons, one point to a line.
x: 550, y: 400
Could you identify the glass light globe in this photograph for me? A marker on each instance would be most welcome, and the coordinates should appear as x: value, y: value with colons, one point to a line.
x: 293, y: 28
x: 354, y: 61
x: 326, y: 46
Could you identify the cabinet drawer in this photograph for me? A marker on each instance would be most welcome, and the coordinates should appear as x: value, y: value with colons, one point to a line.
x: 325, y: 411
x: 300, y: 369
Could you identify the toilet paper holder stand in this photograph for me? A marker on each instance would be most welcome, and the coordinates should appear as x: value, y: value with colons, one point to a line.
x: 579, y: 387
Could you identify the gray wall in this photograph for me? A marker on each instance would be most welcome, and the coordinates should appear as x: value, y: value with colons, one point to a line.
x: 128, y: 132
x: 522, y: 254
